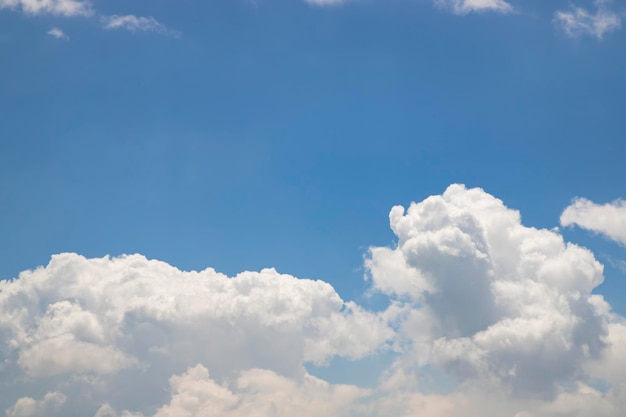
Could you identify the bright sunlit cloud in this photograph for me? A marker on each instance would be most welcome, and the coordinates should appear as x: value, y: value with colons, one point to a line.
x: 606, y: 219
x: 505, y: 310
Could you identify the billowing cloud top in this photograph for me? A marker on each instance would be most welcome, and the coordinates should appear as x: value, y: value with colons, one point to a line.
x: 505, y: 312
x: 496, y: 299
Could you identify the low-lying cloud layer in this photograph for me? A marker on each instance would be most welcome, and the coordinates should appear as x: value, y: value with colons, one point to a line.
x: 486, y: 317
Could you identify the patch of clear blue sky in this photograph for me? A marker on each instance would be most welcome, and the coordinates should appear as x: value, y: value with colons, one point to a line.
x: 278, y: 134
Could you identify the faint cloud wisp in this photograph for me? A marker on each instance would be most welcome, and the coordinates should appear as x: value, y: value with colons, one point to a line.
x: 578, y: 21
x: 58, y: 34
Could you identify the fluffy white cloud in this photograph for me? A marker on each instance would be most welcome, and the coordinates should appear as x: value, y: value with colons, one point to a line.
x: 195, y: 394
x: 55, y: 7
x: 135, y: 24
x: 467, y: 6
x: 578, y: 21
x: 492, y: 298
x: 58, y: 33
x: 119, y: 321
x: 487, y: 317
x: 29, y: 407
x: 607, y: 219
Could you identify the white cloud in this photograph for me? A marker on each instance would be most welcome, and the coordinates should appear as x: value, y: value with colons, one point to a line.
x: 487, y: 317
x: 462, y: 7
x: 55, y: 7
x: 195, y: 394
x: 29, y: 407
x: 578, y: 21
x: 325, y: 2
x: 136, y: 24
x: 58, y: 33
x: 606, y: 219
x: 119, y: 321
x: 492, y: 298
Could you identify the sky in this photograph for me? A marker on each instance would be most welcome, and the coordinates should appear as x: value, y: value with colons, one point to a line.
x: 357, y: 208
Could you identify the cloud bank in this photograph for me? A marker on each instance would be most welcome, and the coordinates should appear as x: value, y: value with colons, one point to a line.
x: 486, y: 317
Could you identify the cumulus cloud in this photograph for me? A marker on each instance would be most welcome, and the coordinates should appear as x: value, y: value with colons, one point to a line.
x: 136, y: 24
x: 463, y: 7
x: 29, y: 407
x: 606, y: 219
x: 578, y: 21
x: 496, y: 299
x: 55, y: 7
x: 58, y: 33
x: 125, y: 319
x: 486, y: 317
x: 195, y: 394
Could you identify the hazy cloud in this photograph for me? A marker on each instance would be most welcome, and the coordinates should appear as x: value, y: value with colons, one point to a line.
x: 462, y: 7
x: 136, y: 24
x: 29, y: 407
x: 58, y: 33
x: 55, y: 7
x: 578, y: 21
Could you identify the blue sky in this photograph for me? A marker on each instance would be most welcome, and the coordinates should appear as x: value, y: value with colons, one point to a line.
x: 241, y: 135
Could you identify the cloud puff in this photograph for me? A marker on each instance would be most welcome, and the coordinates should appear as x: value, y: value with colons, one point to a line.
x: 462, y: 7
x: 606, y: 219
x: 29, y: 407
x: 490, y: 297
x: 58, y: 33
x: 195, y: 394
x: 135, y: 24
x: 55, y: 7
x: 577, y: 21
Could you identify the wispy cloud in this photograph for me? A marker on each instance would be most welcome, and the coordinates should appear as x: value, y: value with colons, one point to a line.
x: 54, y: 7
x: 462, y: 7
x: 577, y: 21
x: 58, y: 33
x: 137, y: 24
x: 325, y: 2
x: 84, y: 8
